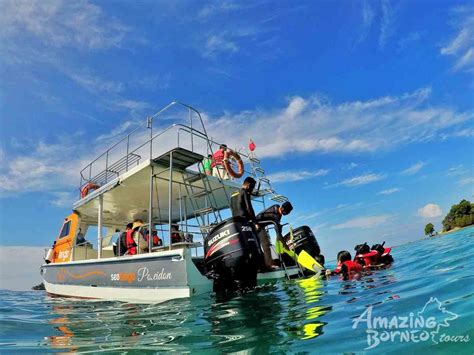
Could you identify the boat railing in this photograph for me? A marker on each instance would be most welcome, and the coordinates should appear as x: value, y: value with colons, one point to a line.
x: 143, y: 141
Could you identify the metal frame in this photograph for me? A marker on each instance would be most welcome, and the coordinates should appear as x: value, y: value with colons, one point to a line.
x: 128, y: 156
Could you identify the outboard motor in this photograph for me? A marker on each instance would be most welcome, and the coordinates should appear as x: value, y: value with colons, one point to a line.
x: 303, y: 239
x: 232, y: 254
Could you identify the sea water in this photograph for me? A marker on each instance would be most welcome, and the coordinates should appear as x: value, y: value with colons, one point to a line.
x: 423, y: 303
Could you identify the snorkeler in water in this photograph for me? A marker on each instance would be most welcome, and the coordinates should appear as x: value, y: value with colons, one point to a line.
x: 345, y: 266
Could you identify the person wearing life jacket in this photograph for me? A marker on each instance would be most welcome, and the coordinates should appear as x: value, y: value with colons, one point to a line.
x: 364, y: 256
x: 132, y: 237
x: 217, y: 163
x: 156, y: 241
x: 383, y: 257
x: 122, y: 241
x: 345, y: 266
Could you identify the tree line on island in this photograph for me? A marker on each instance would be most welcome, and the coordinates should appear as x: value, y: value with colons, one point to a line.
x: 459, y: 216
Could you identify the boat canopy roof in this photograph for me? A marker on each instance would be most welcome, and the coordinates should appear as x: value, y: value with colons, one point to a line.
x: 127, y: 197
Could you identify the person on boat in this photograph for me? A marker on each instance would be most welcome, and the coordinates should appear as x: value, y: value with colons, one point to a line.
x: 241, y: 204
x: 206, y: 164
x: 156, y: 241
x: 135, y: 238
x: 217, y: 163
x: 345, y: 266
x: 176, y: 235
x: 273, y: 213
x: 80, y: 240
x: 122, y: 240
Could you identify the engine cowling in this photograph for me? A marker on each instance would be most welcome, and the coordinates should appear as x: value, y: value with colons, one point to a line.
x: 232, y: 254
x: 303, y: 239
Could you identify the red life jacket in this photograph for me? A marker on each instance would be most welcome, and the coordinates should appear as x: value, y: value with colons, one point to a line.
x: 217, y: 158
x: 386, y: 251
x: 352, y: 267
x: 367, y: 259
x: 156, y: 239
x: 131, y: 246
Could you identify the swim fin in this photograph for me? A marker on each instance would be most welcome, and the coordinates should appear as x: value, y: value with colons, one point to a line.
x: 307, y: 261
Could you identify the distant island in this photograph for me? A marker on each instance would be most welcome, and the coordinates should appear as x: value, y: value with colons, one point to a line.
x: 38, y: 287
x: 459, y: 216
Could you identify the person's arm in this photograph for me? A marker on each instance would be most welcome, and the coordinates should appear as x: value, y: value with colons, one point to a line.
x: 248, y: 207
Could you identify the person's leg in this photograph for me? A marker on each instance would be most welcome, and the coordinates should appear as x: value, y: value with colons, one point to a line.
x: 265, y: 243
x: 225, y: 174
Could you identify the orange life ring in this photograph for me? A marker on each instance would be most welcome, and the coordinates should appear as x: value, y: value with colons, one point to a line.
x: 231, y: 155
x: 87, y: 187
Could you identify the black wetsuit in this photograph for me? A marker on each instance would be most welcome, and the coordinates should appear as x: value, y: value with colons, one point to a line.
x: 270, y: 214
x: 241, y: 205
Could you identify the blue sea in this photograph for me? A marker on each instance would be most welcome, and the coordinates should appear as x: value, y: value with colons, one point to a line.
x: 424, y: 303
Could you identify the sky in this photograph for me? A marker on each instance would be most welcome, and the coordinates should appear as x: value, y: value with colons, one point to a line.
x: 362, y: 111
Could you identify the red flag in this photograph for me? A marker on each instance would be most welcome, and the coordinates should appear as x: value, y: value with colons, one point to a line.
x: 252, y: 145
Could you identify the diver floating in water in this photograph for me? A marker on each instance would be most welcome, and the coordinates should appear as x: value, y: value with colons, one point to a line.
x: 376, y: 257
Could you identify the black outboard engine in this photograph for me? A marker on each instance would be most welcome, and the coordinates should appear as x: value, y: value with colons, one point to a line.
x: 232, y: 254
x: 303, y: 239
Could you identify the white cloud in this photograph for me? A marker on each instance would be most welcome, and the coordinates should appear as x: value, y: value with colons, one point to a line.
x: 287, y: 176
x: 363, y: 222
x: 388, y: 191
x: 63, y: 198
x: 304, y: 125
x: 367, y: 19
x: 218, y: 8
x: 307, y: 125
x: 93, y: 83
x: 60, y: 23
x: 361, y: 180
x: 218, y: 44
x: 430, y: 210
x: 387, y: 27
x: 461, y: 46
x: 412, y: 170
x: 466, y: 181
x: 410, y: 39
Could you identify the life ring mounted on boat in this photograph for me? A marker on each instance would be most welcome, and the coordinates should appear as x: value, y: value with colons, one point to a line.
x: 233, y: 156
x: 87, y: 188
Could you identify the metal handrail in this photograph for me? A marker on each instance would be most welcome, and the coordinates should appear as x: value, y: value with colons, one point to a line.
x: 150, y: 120
x: 189, y: 129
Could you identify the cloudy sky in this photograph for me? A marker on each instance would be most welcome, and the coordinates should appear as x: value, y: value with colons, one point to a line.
x: 362, y: 110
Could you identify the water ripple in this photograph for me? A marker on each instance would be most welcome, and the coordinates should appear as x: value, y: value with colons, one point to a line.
x: 288, y: 316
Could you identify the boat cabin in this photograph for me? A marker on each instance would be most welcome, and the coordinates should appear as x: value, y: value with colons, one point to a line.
x: 154, y: 175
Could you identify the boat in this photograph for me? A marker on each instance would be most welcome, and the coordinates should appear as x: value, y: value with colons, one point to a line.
x: 154, y: 175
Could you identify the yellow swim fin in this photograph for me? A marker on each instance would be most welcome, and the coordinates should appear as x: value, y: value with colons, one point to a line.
x: 307, y: 261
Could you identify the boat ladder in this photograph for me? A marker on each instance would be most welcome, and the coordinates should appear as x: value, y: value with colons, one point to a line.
x: 202, y: 199
x: 263, y: 182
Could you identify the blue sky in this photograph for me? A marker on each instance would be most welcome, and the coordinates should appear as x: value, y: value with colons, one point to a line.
x: 362, y: 110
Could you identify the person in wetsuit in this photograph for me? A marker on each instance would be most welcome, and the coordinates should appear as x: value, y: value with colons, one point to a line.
x: 241, y: 204
x: 273, y: 213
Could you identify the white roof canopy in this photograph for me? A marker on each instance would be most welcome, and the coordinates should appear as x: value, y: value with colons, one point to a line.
x: 127, y: 197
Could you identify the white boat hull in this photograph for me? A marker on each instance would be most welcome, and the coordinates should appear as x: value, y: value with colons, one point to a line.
x: 148, y: 278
